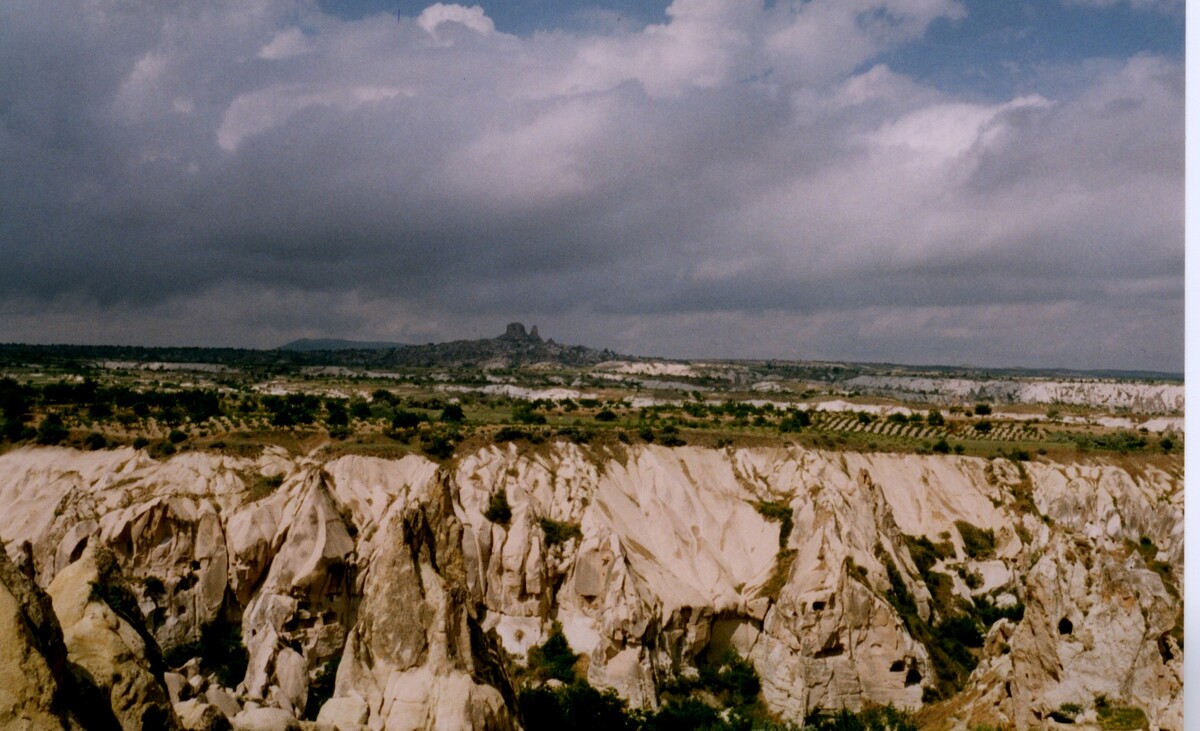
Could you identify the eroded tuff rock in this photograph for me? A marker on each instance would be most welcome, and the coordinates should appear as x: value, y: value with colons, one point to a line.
x: 114, y: 663
x: 33, y: 658
x: 652, y: 559
x: 417, y: 654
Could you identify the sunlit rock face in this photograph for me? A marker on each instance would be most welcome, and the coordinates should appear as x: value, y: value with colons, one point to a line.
x: 653, y: 560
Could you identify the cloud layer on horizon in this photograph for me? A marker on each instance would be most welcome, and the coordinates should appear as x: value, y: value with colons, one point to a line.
x: 739, y: 181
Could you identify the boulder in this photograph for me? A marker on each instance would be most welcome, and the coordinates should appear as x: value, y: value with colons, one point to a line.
x: 347, y: 713
x: 265, y: 719
x: 222, y: 700
x: 195, y: 715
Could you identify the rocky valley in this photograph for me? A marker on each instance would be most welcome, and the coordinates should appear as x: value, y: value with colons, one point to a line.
x: 269, y: 589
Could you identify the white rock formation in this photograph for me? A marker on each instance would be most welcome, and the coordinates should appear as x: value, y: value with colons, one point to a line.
x: 105, y: 650
x: 654, y: 560
x: 33, y: 691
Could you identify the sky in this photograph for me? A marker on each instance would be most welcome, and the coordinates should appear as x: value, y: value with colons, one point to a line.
x: 962, y: 182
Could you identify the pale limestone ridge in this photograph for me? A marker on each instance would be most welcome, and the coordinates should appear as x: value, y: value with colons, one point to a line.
x: 672, y: 560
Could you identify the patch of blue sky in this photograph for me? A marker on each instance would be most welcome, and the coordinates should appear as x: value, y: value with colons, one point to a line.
x: 1006, y: 49
x: 521, y: 17
x: 999, y: 50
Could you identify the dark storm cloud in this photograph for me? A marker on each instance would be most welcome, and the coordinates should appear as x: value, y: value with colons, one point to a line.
x: 249, y: 172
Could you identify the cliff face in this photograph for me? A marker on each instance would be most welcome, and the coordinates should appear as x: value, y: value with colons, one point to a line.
x: 808, y: 563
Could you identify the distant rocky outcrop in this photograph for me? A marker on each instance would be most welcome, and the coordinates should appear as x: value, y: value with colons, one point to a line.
x: 839, y: 576
x: 516, y: 347
x: 1130, y: 396
x: 516, y: 331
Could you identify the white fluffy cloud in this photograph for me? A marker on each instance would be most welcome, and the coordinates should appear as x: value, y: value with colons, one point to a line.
x: 473, y: 18
x: 741, y: 164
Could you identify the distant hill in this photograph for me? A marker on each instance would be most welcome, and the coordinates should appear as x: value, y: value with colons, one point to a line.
x: 309, y: 345
x: 516, y: 347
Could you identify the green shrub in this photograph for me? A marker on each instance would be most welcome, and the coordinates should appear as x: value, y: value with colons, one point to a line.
x: 1149, y: 553
x: 952, y: 661
x: 553, y: 659
x: 780, y: 512
x: 960, y: 629
x: 405, y: 420
x: 223, y: 653
x: 263, y: 485
x: 557, y: 532
x: 498, y: 510
x: 779, y: 573
x: 1119, y: 718
x: 51, y: 430
x: 360, y: 409
x: 876, y: 718
x: 732, y: 680
x: 1067, y: 712
x: 220, y: 650
x: 725, y: 697
x: 321, y: 688
x: 153, y: 587
x: 162, y: 449
x: 925, y: 553
x: 684, y: 714
x: 669, y: 437
x: 453, y: 414
x: 337, y: 414
x: 575, y: 434
x: 795, y: 421
x: 989, y: 613
x: 523, y: 413
x: 513, y: 434
x: 438, y: 445
x: 113, y: 591
x: 973, y: 579
x: 577, y: 706
x: 176, y: 656
x: 1122, y: 441
x: 977, y: 542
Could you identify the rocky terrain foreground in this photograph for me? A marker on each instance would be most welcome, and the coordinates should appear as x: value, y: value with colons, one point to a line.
x: 836, y: 574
